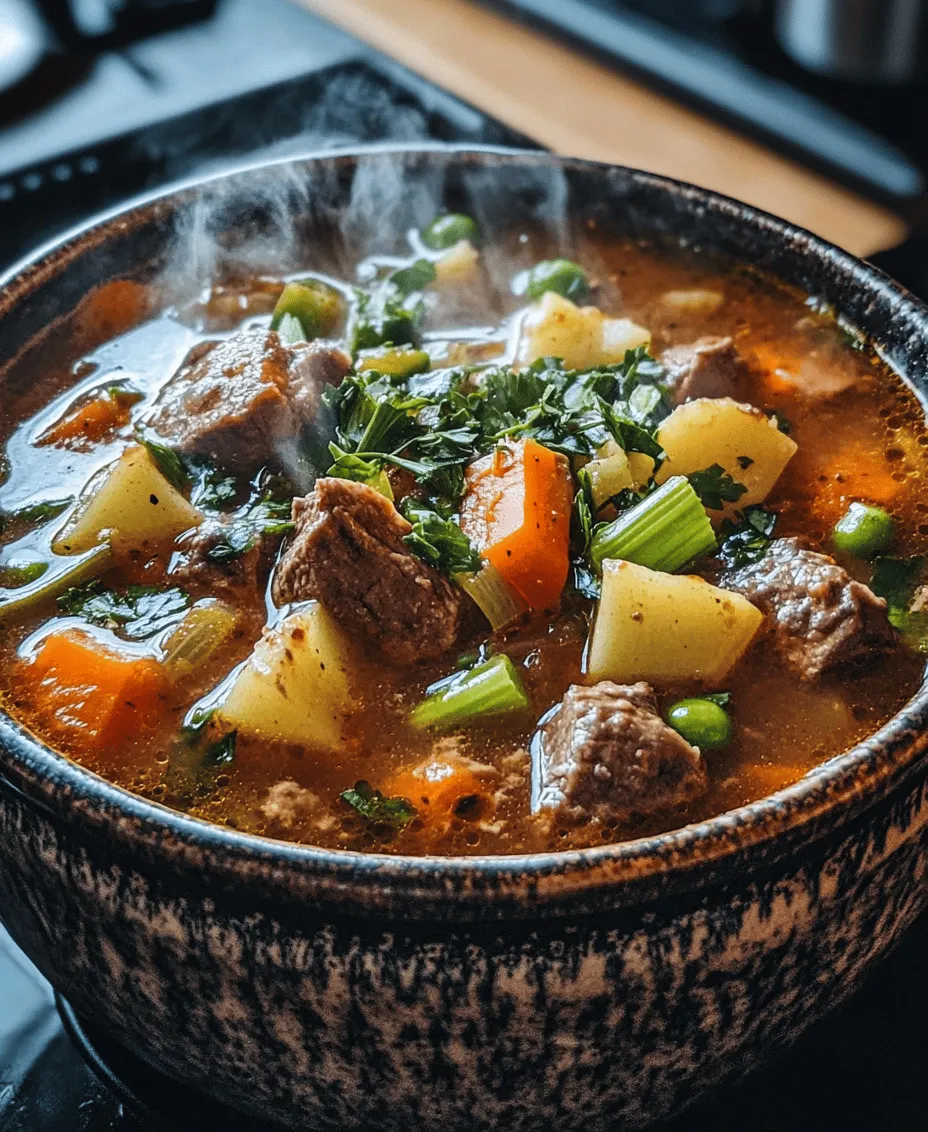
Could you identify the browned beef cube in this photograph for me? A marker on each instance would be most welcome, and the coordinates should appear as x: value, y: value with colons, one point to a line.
x: 708, y: 367
x: 348, y: 553
x: 237, y: 401
x: 607, y: 754
x: 819, y: 615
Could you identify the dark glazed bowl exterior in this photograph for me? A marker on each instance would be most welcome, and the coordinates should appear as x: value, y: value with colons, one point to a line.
x: 583, y: 990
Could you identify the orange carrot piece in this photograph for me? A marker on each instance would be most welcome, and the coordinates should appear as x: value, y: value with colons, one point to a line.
x: 90, y: 694
x: 443, y: 786
x: 89, y: 422
x: 517, y: 511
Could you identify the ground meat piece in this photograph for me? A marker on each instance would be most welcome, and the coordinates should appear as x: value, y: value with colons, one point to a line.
x: 236, y: 401
x: 820, y: 616
x: 348, y: 552
x: 607, y: 754
x: 237, y: 579
x: 708, y: 367
x: 288, y: 805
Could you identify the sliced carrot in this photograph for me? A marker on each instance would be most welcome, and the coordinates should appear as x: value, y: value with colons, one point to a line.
x: 445, y: 786
x: 89, y: 422
x: 113, y: 308
x: 517, y: 511
x: 90, y: 694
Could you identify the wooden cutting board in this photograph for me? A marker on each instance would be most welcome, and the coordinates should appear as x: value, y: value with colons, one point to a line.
x: 577, y: 106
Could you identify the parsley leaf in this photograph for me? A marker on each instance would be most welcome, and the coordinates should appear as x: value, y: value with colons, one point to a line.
x: 212, y: 490
x: 137, y: 613
x: 379, y: 810
x: 380, y: 317
x: 715, y: 487
x: 720, y: 698
x: 896, y: 580
x: 413, y: 278
x: 747, y: 542
x: 222, y: 751
x: 168, y: 463
x: 251, y: 523
x: 439, y: 542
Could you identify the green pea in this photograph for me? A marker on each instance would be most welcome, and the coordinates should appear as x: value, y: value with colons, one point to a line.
x: 561, y: 275
x: 863, y: 531
x: 700, y: 722
x: 447, y: 230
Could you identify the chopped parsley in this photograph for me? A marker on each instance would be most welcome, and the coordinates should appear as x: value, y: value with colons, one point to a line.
x: 715, y: 487
x: 747, y: 542
x: 136, y: 613
x: 897, y: 580
x: 439, y: 542
x: 266, y: 517
x: 168, y: 462
x: 378, y: 809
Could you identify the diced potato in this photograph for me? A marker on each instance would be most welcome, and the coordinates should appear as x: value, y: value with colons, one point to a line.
x: 667, y: 628
x: 294, y: 688
x: 458, y: 263
x: 640, y: 466
x: 609, y: 476
x: 554, y: 327
x: 134, y: 502
x: 693, y: 302
x: 745, y: 442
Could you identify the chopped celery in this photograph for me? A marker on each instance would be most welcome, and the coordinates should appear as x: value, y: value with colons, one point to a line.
x: 492, y: 688
x: 290, y: 330
x: 608, y: 476
x: 498, y: 602
x: 205, y: 628
x: 398, y: 361
x: 63, y: 573
x: 663, y: 532
x: 317, y: 307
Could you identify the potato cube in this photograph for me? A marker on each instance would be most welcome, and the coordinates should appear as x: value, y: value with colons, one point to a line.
x: 667, y: 628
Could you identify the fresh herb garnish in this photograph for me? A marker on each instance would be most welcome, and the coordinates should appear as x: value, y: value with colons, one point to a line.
x: 413, y: 278
x: 265, y: 517
x: 378, y: 809
x: 381, y: 316
x: 715, y: 487
x: 439, y: 542
x: 747, y: 541
x: 36, y: 512
x: 14, y: 576
x: 222, y: 751
x: 138, y: 612
x: 168, y: 462
x: 212, y: 489
x: 721, y: 699
x: 897, y: 580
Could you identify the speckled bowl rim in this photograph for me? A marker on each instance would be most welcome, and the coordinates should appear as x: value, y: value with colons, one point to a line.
x: 846, y: 783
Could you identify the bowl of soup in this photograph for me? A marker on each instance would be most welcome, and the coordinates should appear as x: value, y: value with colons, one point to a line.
x: 464, y: 618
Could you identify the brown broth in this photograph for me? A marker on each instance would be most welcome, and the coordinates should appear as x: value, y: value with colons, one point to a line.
x: 867, y: 441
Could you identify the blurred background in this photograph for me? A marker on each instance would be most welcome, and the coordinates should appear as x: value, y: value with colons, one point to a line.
x: 813, y: 109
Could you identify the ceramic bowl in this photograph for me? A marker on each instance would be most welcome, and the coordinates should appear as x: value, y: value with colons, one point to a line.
x: 604, y: 988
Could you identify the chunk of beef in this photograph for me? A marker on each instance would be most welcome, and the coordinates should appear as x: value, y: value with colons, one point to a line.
x: 236, y: 401
x: 607, y: 754
x: 239, y: 578
x: 708, y: 367
x: 820, y: 615
x: 348, y: 552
